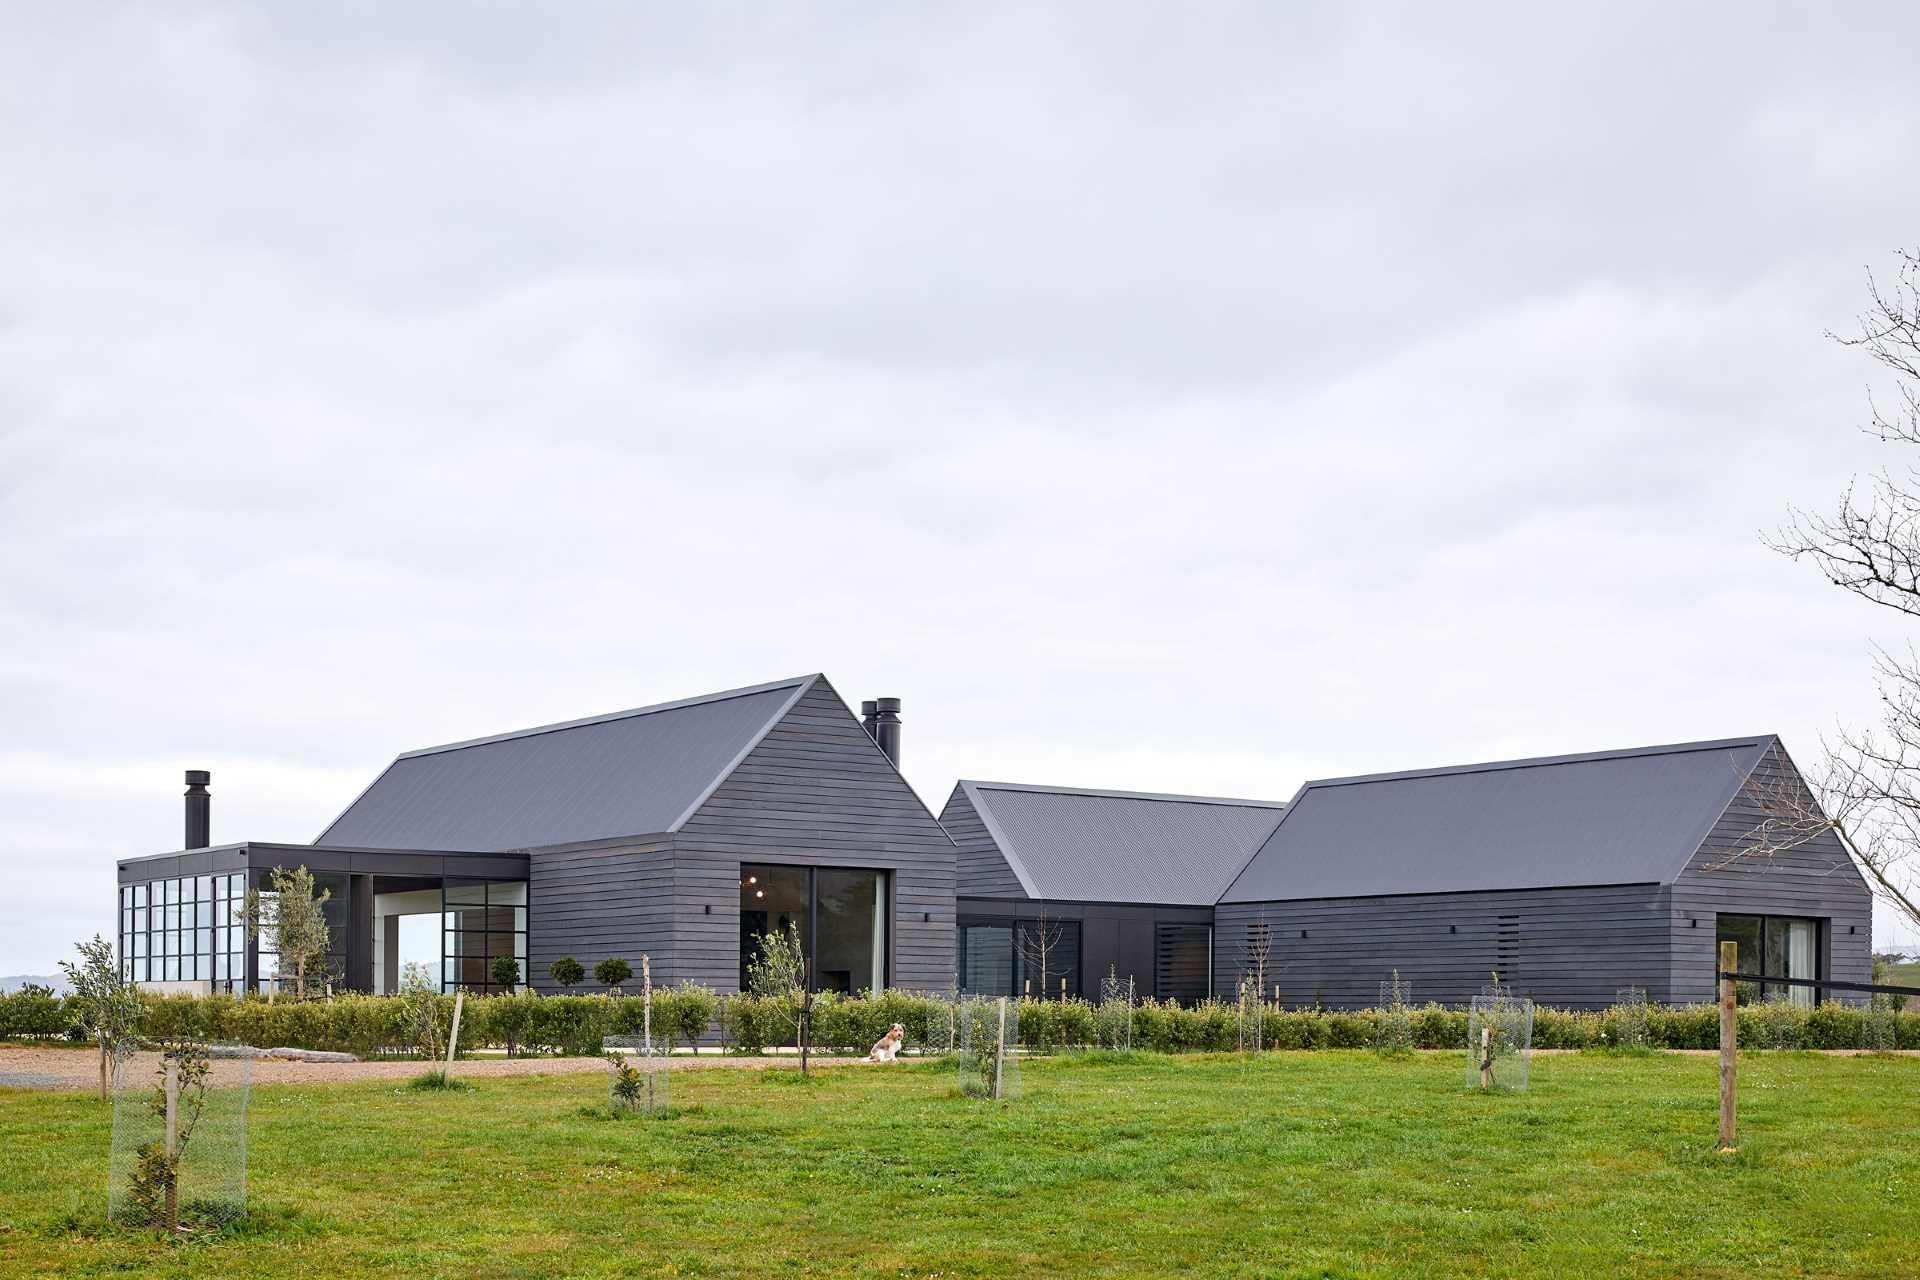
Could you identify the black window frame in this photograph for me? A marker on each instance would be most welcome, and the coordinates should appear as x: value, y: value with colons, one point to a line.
x: 1763, y: 918
x: 813, y: 917
x: 516, y: 937
x: 1017, y: 968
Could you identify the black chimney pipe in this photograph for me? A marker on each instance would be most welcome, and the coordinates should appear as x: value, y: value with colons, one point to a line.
x: 869, y: 711
x: 886, y: 727
x: 199, y: 809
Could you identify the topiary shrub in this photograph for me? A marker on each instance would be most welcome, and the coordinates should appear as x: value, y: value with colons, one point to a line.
x: 611, y: 973
x: 566, y: 972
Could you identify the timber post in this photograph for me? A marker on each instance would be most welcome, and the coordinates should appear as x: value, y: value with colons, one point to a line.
x: 1729, y: 1039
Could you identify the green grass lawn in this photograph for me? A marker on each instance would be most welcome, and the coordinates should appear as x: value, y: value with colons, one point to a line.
x: 1329, y: 1163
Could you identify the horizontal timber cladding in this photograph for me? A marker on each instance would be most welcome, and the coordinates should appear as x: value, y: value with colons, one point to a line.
x: 1816, y: 879
x: 815, y: 791
x: 982, y: 869
x: 603, y: 900
x: 1114, y: 936
x: 1573, y: 948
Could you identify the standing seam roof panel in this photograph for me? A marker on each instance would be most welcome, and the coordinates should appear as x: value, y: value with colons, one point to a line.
x: 1632, y: 817
x: 631, y: 774
x: 1117, y: 847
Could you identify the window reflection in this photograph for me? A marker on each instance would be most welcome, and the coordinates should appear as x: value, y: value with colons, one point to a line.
x: 839, y: 914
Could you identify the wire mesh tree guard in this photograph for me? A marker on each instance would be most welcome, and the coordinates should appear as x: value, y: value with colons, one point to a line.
x: 637, y: 1073
x: 1115, y: 1015
x: 178, y: 1155
x: 1393, y: 1017
x: 1631, y: 1019
x: 1251, y: 1013
x: 989, y: 1059
x: 1879, y: 1025
x: 1499, y: 1041
x: 941, y: 1035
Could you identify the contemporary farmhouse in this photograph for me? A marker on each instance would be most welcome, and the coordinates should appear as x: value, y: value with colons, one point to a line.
x: 688, y: 830
x: 682, y: 831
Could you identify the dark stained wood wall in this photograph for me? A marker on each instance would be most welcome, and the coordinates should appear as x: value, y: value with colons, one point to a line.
x: 1572, y: 948
x: 1817, y: 879
x: 600, y: 900
x: 983, y: 870
x: 816, y: 791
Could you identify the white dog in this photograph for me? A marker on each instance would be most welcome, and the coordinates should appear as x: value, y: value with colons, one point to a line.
x: 887, y: 1047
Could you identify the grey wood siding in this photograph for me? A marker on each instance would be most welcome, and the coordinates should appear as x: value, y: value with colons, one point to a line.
x: 1572, y: 948
x: 982, y: 869
x: 600, y: 900
x: 1817, y: 879
x: 815, y: 791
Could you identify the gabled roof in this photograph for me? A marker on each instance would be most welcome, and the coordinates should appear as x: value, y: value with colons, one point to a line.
x: 630, y: 773
x: 1077, y: 844
x: 1605, y: 817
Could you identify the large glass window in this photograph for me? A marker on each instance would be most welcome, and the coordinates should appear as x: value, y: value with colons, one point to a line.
x: 1774, y: 947
x: 985, y: 959
x: 177, y: 930
x: 482, y: 921
x: 840, y: 915
x: 1022, y: 957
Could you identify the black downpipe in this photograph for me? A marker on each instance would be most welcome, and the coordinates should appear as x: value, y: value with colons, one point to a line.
x: 199, y: 809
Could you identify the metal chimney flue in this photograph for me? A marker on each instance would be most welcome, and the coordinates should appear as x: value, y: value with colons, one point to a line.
x: 199, y: 809
x: 886, y: 727
x: 869, y: 715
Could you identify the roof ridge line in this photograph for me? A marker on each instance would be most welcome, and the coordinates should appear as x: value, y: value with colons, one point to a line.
x: 1537, y: 762
x: 1008, y: 850
x: 1168, y: 796
x: 678, y: 703
x: 720, y: 779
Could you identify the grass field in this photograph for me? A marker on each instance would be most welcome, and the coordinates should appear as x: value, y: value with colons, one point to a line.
x: 1328, y: 1163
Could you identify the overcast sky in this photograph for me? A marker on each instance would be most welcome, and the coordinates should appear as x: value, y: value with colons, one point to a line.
x: 1193, y: 400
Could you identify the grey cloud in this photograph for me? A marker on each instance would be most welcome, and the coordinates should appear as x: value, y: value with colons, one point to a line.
x: 1191, y: 402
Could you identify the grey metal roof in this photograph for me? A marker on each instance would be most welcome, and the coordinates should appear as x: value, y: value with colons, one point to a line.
x: 1606, y: 817
x: 630, y: 773
x: 1076, y: 844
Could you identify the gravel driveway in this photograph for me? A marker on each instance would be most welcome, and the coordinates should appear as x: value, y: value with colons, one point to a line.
x: 29, y: 1067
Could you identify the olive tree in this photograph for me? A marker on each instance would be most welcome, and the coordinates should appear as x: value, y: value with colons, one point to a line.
x: 108, y: 1003
x: 778, y: 974
x: 291, y: 916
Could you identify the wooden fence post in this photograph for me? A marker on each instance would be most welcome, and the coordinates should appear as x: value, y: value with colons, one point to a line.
x: 453, y: 1041
x: 1729, y: 1037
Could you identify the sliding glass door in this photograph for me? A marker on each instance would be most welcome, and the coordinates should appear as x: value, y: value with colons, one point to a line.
x: 840, y: 915
x: 1775, y: 947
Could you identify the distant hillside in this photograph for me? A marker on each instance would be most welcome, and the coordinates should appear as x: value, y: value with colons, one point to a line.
x: 14, y: 981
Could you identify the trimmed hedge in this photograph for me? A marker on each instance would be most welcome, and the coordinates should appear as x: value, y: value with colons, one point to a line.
x: 373, y: 1025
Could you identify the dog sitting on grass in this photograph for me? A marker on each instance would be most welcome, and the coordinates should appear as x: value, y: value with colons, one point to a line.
x: 887, y: 1047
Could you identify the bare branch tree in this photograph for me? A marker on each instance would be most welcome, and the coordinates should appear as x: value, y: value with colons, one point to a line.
x: 1868, y: 800
x: 1256, y: 951
x: 1869, y: 795
x: 1040, y: 941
